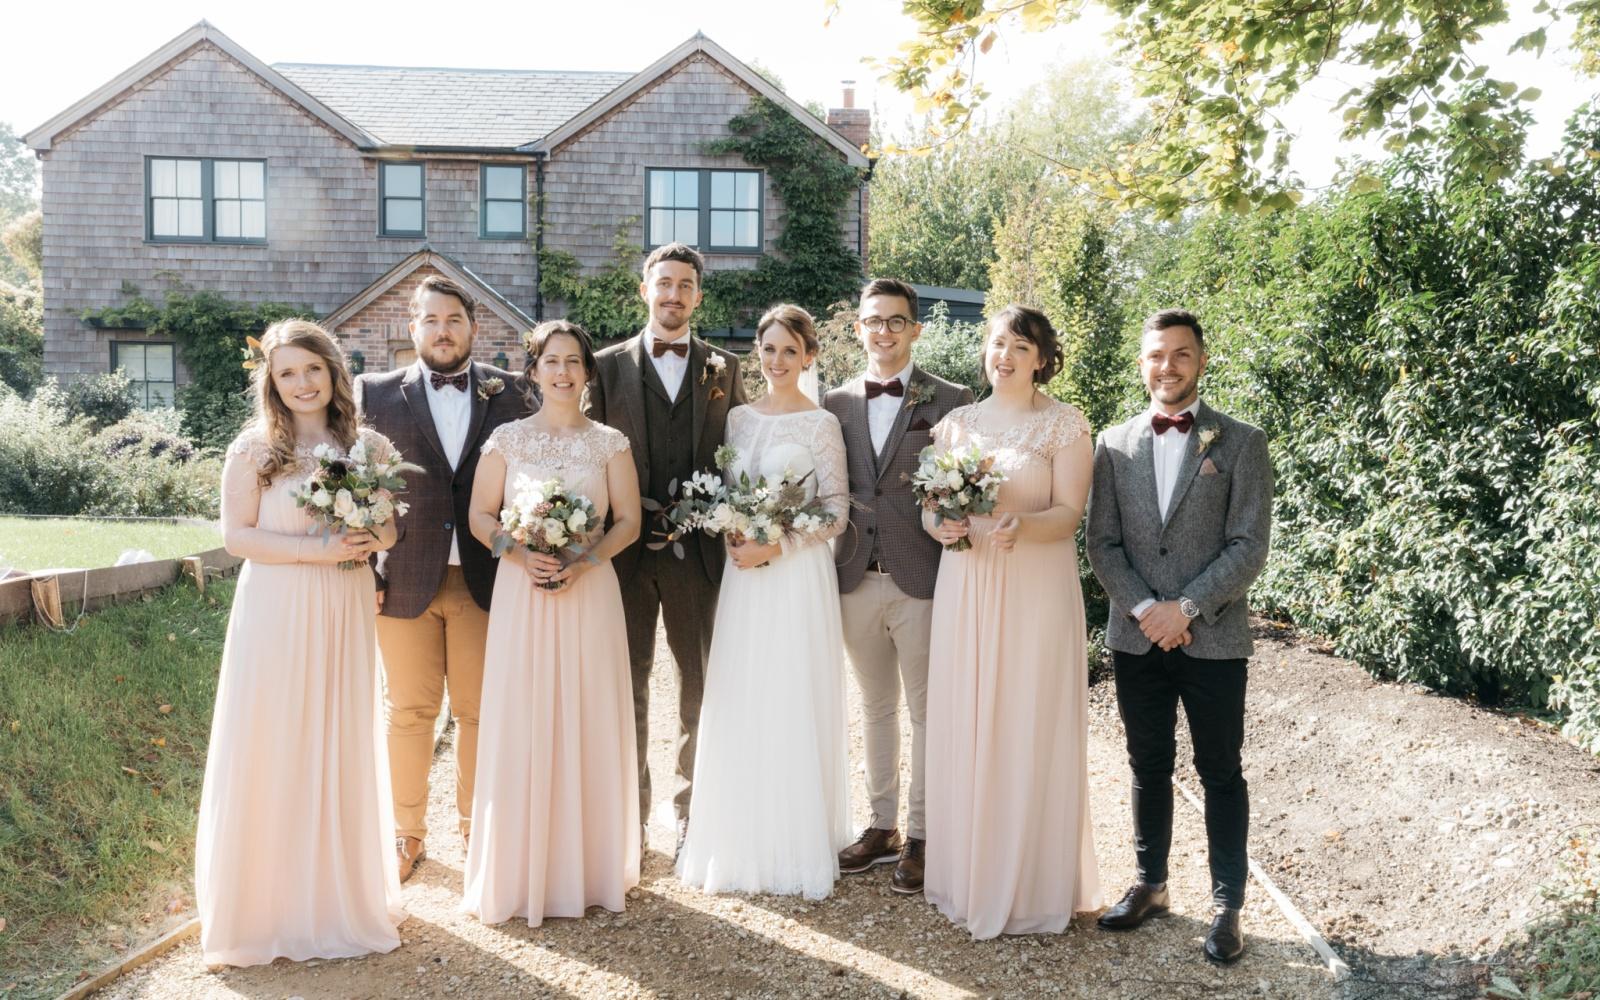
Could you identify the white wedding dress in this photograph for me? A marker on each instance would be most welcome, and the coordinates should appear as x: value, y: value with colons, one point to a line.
x: 771, y: 802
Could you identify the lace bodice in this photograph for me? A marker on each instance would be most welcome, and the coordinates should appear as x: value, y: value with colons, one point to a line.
x: 765, y: 444
x: 1024, y: 452
x: 577, y: 458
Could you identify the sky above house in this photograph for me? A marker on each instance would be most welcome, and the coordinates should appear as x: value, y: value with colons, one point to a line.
x: 68, y: 48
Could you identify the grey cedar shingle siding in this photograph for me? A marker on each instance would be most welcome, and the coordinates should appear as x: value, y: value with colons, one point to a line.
x: 322, y: 193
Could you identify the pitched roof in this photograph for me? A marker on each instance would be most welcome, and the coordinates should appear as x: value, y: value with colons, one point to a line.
x: 202, y: 32
x: 449, y: 267
x: 453, y: 108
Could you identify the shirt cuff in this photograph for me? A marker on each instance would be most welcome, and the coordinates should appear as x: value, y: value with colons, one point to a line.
x: 1143, y: 606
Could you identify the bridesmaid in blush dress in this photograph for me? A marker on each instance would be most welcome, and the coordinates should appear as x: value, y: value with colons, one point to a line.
x: 555, y: 818
x: 294, y: 846
x: 1010, y: 846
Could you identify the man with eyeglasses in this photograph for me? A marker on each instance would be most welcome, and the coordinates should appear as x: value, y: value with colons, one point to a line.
x: 887, y: 565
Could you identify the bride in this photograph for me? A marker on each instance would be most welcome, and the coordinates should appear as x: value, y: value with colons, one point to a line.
x: 771, y: 787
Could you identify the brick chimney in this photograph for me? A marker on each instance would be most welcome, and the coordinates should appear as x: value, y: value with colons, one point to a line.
x: 854, y: 123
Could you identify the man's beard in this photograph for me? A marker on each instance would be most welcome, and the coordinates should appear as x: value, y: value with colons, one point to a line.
x: 672, y: 324
x: 446, y: 364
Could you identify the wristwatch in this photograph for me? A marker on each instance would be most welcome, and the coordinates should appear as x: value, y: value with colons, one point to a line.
x: 1189, y: 608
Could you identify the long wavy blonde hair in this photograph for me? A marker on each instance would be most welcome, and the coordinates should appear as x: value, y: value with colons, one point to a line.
x: 273, y: 420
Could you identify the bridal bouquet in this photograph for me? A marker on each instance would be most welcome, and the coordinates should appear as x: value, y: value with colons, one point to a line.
x: 356, y: 491
x: 761, y: 510
x: 544, y: 516
x: 956, y: 484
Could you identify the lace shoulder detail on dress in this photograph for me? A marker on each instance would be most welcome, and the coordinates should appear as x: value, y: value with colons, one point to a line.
x: 525, y: 442
x: 1064, y: 425
x: 612, y: 441
x: 955, y: 425
x: 251, y: 444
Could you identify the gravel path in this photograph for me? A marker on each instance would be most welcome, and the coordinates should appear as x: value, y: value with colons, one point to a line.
x: 863, y: 942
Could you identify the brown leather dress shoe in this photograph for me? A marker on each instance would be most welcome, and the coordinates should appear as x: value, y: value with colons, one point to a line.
x: 873, y: 847
x: 907, y: 878
x: 408, y: 851
x: 1136, y: 906
x: 1225, y: 942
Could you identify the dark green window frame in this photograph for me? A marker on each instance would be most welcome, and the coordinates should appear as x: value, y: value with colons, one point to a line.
x: 142, y: 385
x: 706, y: 209
x: 421, y: 198
x: 207, y: 198
x: 484, y: 201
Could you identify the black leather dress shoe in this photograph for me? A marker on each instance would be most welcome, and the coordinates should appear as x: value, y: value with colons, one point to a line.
x: 907, y: 877
x: 1136, y: 906
x: 1225, y: 943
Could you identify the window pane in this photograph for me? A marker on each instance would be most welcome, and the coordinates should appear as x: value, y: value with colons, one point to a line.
x: 227, y: 221
x: 502, y: 182
x: 748, y: 234
x: 225, y: 182
x: 188, y: 178
x: 749, y: 195
x: 687, y: 227
x: 721, y: 190
x: 660, y: 185
x: 163, y: 179
x: 402, y: 180
x: 253, y: 220
x: 722, y: 229
x: 402, y: 216
x: 158, y: 362
x: 252, y: 180
x: 158, y: 394
x: 190, y: 222
x: 164, y: 221
x: 130, y: 358
x: 686, y: 193
x: 660, y: 227
x: 503, y: 217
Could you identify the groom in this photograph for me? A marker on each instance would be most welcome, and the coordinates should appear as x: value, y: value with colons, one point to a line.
x: 1178, y: 528
x: 887, y: 564
x: 670, y: 393
x: 436, y: 581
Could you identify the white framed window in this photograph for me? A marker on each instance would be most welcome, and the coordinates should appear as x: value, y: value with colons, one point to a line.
x: 200, y: 200
x: 713, y: 209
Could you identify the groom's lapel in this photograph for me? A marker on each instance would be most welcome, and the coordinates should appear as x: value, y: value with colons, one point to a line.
x: 698, y: 349
x: 902, y: 419
x: 632, y: 383
x: 1144, y: 469
x: 1191, y: 463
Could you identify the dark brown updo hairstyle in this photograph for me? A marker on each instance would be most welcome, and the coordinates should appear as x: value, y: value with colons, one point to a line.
x: 534, y: 342
x: 794, y: 319
x: 1033, y: 326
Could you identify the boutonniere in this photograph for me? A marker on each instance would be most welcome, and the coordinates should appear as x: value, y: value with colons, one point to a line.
x: 494, y: 385
x: 253, y: 354
x: 1208, y: 436
x: 715, y: 365
x: 919, y: 392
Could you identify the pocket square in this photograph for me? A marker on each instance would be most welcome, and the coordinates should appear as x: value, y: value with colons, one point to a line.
x: 921, y: 425
x: 1208, y: 468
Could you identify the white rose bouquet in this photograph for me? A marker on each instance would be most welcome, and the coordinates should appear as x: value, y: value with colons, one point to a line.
x: 356, y: 491
x: 956, y: 484
x: 762, y: 510
x: 544, y: 516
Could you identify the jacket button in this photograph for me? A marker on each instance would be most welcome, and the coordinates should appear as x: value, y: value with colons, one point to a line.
x: 1163, y: 551
x: 878, y: 492
x: 450, y: 527
x: 869, y: 530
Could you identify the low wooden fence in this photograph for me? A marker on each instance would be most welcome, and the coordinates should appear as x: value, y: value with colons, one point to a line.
x: 91, y: 589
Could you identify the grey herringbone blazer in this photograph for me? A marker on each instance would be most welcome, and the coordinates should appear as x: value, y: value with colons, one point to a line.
x: 1210, y: 548
x: 884, y: 515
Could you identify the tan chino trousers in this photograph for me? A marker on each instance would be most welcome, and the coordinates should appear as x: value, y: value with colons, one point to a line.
x: 442, y: 647
x: 886, y: 635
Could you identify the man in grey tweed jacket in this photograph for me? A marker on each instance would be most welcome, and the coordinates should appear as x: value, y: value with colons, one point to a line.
x: 887, y: 565
x: 1178, y: 527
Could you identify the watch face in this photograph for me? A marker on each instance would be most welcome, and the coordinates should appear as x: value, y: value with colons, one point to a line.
x: 1189, y: 608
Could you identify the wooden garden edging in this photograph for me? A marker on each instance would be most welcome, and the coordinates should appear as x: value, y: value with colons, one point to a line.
x: 112, y: 584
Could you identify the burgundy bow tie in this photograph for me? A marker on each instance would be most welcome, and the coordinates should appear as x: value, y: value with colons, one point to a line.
x: 1182, y: 422
x: 678, y: 347
x: 459, y: 380
x: 893, y: 387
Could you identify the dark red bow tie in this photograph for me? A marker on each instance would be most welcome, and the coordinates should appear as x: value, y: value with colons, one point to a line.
x: 1182, y: 422
x: 678, y: 347
x: 458, y: 380
x: 893, y: 387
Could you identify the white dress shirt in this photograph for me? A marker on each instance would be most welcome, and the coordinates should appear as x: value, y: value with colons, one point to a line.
x: 882, y: 411
x: 1167, y: 450
x: 452, y: 413
x: 669, y: 366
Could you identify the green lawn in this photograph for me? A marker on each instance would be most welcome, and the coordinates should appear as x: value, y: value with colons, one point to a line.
x: 31, y: 543
x: 102, y: 753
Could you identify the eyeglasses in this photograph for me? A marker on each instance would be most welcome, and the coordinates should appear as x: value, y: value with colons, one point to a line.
x: 896, y: 324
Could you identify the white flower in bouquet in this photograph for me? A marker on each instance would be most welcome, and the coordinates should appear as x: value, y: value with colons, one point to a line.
x: 343, y: 503
x: 324, y: 452
x: 321, y: 498
x: 577, y: 521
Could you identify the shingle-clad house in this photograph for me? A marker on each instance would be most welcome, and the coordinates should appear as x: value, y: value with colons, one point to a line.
x: 341, y: 187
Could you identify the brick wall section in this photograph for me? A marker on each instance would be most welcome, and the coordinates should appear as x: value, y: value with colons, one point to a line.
x: 855, y: 124
x: 379, y: 331
x: 597, y: 178
x: 322, y: 208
